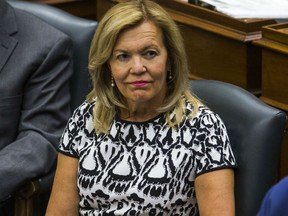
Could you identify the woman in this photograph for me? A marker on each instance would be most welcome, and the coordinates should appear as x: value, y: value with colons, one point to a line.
x: 142, y: 144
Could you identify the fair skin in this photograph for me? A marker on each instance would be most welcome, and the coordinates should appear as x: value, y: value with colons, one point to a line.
x: 215, y: 193
x: 64, y: 199
x: 139, y: 68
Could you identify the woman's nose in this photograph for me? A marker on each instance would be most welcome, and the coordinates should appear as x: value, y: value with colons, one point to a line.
x: 137, y: 65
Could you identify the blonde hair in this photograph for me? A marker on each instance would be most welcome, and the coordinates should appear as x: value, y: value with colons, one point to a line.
x: 121, y: 17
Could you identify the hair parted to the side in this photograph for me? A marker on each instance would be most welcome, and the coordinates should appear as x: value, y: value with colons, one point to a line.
x: 119, y: 18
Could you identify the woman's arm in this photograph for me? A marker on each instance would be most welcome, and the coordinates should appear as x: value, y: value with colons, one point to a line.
x: 64, y: 199
x: 215, y: 193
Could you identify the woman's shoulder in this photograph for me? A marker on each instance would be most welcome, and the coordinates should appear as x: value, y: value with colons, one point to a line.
x: 202, y: 109
x: 85, y: 107
x: 82, y: 117
x: 202, y: 114
x: 205, y: 110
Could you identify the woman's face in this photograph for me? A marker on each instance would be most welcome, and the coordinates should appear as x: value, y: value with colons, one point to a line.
x: 139, y: 65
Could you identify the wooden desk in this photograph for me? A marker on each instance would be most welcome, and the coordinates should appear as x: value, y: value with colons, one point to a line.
x: 274, y: 45
x: 218, y: 46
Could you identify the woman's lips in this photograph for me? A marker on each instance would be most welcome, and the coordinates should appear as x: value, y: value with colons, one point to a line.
x: 139, y: 83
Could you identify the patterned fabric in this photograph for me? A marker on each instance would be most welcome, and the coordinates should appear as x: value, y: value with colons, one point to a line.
x: 144, y: 168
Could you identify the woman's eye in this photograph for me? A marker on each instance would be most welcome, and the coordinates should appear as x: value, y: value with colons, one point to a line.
x: 150, y: 54
x: 123, y: 57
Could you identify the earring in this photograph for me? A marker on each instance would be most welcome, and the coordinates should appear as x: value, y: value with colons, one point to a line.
x: 112, y: 82
x: 170, y: 75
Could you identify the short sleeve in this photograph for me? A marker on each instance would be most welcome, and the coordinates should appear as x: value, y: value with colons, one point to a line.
x: 213, y: 148
x: 75, y: 130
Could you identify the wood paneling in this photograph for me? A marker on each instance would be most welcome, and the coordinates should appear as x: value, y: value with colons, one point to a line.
x: 218, y: 46
x: 274, y: 47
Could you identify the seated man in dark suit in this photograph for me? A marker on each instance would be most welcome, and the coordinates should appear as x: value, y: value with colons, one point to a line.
x: 35, y: 67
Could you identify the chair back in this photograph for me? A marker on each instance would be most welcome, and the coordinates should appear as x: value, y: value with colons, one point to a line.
x: 256, y: 132
x: 80, y: 30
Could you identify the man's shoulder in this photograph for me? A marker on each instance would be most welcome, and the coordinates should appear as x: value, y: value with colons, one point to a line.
x: 27, y: 22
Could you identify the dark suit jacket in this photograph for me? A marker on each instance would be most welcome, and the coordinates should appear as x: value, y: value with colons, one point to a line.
x: 35, y: 66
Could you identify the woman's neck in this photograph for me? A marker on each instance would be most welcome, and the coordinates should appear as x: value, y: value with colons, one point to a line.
x: 139, y: 115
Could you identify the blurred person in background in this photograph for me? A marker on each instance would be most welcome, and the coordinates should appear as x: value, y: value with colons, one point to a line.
x: 275, y: 202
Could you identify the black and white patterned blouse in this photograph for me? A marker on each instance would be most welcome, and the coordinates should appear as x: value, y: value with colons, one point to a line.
x: 144, y: 168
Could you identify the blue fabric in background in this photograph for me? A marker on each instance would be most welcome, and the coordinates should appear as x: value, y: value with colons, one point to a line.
x: 275, y: 202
